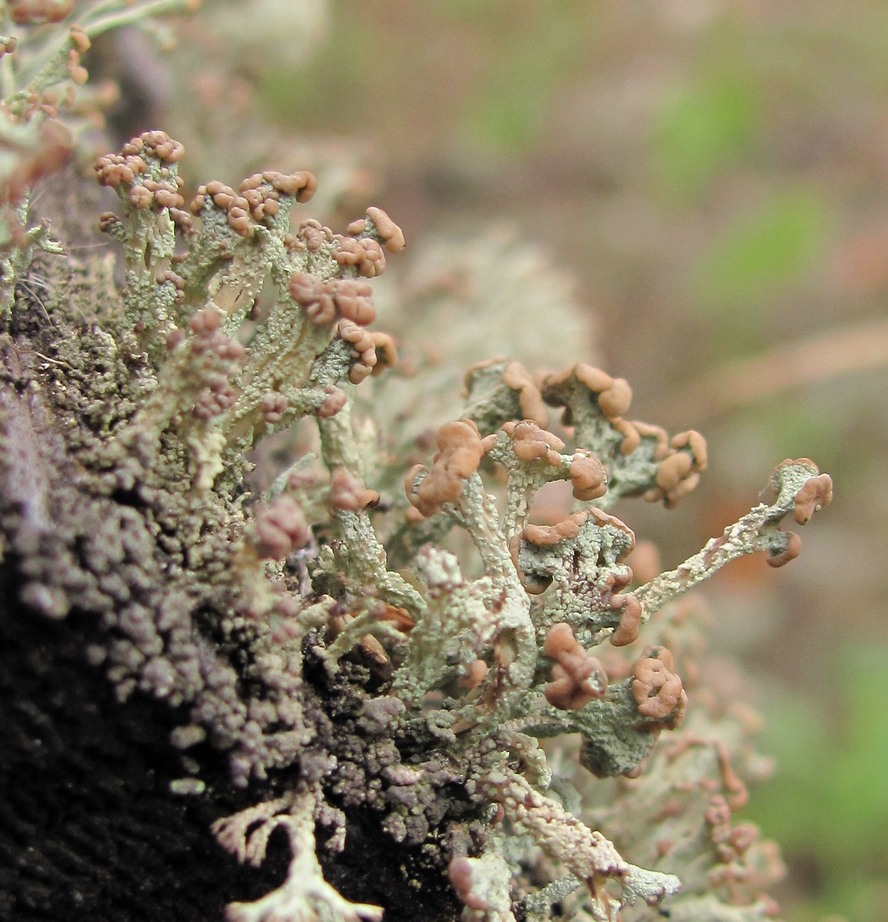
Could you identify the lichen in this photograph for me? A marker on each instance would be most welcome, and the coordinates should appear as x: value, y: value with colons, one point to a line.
x: 352, y: 648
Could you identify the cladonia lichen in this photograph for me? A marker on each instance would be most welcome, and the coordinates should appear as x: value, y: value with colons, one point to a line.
x: 354, y: 647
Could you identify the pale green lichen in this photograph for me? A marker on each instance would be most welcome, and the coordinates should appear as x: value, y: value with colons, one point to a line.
x: 41, y: 76
x: 304, y: 896
x: 377, y: 649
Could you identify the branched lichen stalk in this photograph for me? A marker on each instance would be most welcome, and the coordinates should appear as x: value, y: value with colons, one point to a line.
x: 344, y: 691
x: 758, y: 530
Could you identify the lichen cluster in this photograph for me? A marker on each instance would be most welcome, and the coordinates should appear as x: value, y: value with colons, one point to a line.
x: 397, y: 652
x: 384, y: 639
x: 46, y: 104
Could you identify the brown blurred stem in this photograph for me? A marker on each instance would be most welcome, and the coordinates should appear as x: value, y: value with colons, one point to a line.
x: 818, y: 358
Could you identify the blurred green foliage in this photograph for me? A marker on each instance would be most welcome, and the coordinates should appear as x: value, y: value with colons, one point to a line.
x: 764, y: 251
x: 507, y: 110
x: 828, y: 803
x: 701, y: 130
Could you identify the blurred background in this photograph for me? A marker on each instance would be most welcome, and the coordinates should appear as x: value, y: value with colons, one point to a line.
x: 700, y: 185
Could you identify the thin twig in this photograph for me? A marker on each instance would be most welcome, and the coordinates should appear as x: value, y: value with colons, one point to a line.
x: 821, y: 357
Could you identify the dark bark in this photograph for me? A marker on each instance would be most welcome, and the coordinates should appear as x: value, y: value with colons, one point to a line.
x: 88, y: 827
